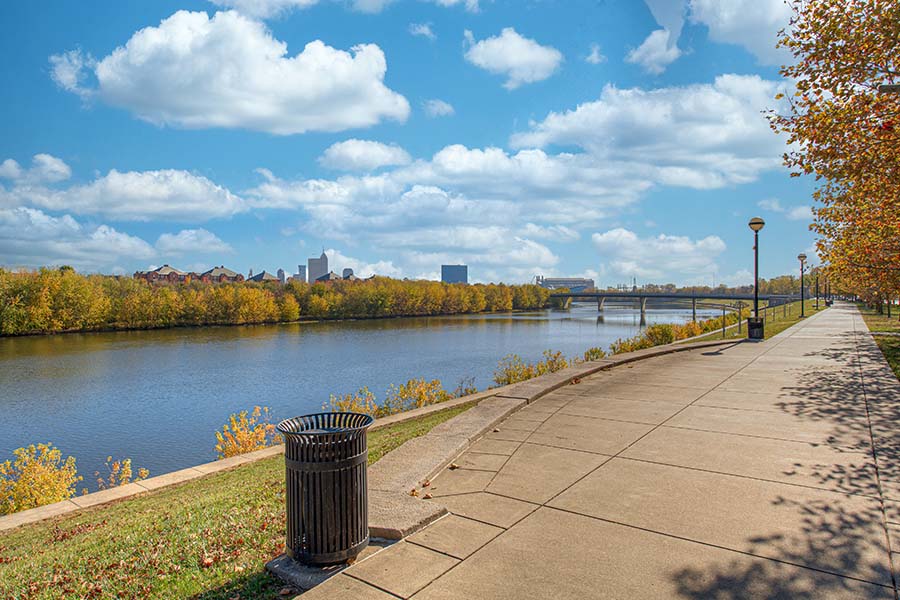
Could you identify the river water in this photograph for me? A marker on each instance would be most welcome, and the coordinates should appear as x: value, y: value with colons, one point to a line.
x: 159, y: 396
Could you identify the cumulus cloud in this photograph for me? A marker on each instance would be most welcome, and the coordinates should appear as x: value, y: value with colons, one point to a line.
x: 422, y: 30
x: 553, y: 232
x: 753, y: 24
x: 363, y: 155
x: 337, y: 262
x: 228, y: 71
x: 626, y: 254
x: 522, y: 60
x: 265, y: 8
x: 656, y: 53
x: 595, y: 57
x: 701, y: 135
x: 799, y: 213
x: 32, y: 238
x: 134, y: 196
x: 45, y: 168
x: 470, y: 5
x: 438, y: 108
x: 192, y: 241
x: 773, y: 204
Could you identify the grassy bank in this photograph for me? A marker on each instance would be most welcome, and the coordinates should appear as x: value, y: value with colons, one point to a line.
x: 204, y: 539
x: 890, y: 345
x: 777, y: 319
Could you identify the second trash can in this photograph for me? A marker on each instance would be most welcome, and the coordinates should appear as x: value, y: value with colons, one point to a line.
x: 325, y: 458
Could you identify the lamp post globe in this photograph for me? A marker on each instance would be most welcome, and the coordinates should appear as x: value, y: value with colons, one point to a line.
x: 802, y: 258
x: 755, y: 331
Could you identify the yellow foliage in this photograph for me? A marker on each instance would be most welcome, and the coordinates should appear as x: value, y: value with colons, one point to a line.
x: 37, y: 476
x: 245, y: 432
x: 512, y: 369
x: 415, y: 393
x: 362, y: 401
x: 119, y: 473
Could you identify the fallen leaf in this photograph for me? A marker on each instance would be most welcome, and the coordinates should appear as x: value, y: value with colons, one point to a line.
x: 427, y: 497
x: 496, y: 430
x: 453, y: 466
x: 426, y: 483
x: 414, y: 492
x: 285, y: 591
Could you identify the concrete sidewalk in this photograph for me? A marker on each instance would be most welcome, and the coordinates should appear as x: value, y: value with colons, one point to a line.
x: 750, y: 471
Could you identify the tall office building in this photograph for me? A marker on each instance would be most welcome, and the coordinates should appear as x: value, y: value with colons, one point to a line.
x: 280, y: 274
x: 301, y: 273
x: 317, y: 267
x: 455, y: 273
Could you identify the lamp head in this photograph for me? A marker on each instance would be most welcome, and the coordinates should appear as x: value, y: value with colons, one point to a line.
x: 756, y: 224
x: 801, y: 257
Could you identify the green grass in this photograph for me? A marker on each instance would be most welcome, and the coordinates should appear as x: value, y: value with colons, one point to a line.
x: 890, y: 346
x: 777, y: 319
x: 204, y: 539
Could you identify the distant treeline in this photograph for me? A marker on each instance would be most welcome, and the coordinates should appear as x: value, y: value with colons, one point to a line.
x: 62, y: 300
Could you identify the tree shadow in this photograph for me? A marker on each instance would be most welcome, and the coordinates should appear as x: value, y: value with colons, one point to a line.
x: 841, y: 543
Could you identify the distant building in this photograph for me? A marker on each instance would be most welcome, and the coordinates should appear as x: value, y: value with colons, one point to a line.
x: 347, y: 273
x: 317, y: 267
x: 573, y: 284
x: 330, y: 276
x: 300, y: 275
x: 220, y: 275
x: 263, y: 277
x: 455, y: 273
x: 163, y: 274
x: 280, y: 274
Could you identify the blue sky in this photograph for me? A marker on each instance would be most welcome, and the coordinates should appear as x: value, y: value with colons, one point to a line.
x: 611, y: 138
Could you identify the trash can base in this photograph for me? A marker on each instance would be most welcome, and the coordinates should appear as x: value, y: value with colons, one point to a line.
x: 334, y: 558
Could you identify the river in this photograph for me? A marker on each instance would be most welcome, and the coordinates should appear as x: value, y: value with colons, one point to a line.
x: 159, y: 396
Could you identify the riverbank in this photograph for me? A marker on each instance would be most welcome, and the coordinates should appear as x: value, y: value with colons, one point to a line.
x: 208, y: 538
x: 777, y: 319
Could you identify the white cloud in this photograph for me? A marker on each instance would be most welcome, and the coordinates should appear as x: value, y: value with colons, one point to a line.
x: 740, y: 277
x: 595, y: 57
x: 656, y: 53
x: 799, y: 213
x: 773, y: 204
x: 337, y: 262
x: 134, y: 196
x: 32, y: 238
x: 753, y: 24
x: 363, y: 155
x: 228, y: 71
x: 192, y: 241
x: 438, y: 108
x: 265, y: 8
x: 422, y: 30
x: 470, y: 5
x: 626, y: 254
x: 44, y: 168
x: 553, y: 232
x: 69, y: 69
x: 701, y: 135
x: 520, y: 59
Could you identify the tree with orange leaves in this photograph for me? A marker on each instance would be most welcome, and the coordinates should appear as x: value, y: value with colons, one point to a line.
x: 844, y: 131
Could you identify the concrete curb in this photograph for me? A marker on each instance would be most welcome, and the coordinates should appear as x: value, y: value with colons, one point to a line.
x: 450, y: 441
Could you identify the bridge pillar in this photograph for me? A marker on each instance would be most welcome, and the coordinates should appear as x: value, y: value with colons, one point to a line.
x: 643, y: 311
x: 694, y: 309
x: 600, y: 302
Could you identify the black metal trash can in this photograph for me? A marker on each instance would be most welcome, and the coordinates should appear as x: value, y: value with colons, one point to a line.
x: 755, y: 328
x: 327, y: 501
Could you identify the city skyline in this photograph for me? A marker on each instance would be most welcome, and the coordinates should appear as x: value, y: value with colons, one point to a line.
x: 598, y: 140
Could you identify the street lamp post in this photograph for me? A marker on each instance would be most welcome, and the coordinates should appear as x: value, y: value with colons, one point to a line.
x: 755, y: 327
x: 802, y: 258
x: 817, y: 290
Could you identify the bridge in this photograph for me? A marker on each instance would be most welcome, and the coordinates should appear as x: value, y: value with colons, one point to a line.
x: 704, y: 301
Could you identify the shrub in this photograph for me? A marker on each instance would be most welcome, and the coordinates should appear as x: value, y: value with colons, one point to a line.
x: 415, y: 393
x: 119, y: 473
x: 657, y: 335
x: 465, y: 387
x: 594, y: 354
x: 512, y: 369
x: 38, y: 475
x: 245, y: 433
x: 362, y: 401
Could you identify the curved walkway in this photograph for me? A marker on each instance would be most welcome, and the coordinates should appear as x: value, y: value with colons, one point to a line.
x: 748, y: 471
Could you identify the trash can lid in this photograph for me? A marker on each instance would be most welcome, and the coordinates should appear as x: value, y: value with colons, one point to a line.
x: 325, y: 423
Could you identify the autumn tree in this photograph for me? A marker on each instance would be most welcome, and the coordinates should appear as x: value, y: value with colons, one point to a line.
x: 844, y: 131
